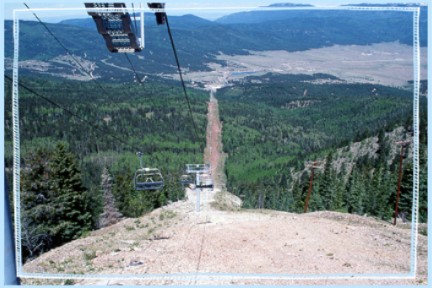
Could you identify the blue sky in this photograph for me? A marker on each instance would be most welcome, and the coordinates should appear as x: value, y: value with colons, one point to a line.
x: 210, y: 9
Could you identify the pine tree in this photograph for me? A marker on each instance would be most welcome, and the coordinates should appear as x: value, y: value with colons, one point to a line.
x: 122, y: 190
x: 299, y: 192
x: 72, y: 217
x: 383, y: 148
x: 36, y: 205
x: 368, y: 197
x: 375, y: 206
x: 35, y: 237
x: 110, y: 214
x: 423, y: 177
x: 423, y: 191
x: 406, y: 197
x: 296, y: 195
x: 340, y: 190
x: 389, y: 193
x: 53, y: 199
x: 326, y: 185
x: 316, y: 202
x: 355, y: 197
x: 346, y: 195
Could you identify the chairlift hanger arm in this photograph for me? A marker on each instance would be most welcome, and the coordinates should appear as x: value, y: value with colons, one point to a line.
x: 159, y: 9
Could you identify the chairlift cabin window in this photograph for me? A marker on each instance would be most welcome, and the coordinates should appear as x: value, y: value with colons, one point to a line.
x: 187, y: 179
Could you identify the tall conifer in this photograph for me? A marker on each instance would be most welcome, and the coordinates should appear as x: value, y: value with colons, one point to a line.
x: 72, y: 216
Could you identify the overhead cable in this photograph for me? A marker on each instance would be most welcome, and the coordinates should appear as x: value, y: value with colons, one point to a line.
x: 181, y: 78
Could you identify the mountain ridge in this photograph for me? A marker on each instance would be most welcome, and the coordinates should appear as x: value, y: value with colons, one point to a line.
x: 199, y: 41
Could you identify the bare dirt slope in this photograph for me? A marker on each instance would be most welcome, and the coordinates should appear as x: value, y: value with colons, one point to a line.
x: 213, y: 153
x: 177, y: 240
x: 177, y: 245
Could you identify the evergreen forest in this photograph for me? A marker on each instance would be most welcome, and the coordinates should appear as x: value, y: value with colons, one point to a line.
x: 79, y: 142
x: 276, y: 124
x: 72, y: 131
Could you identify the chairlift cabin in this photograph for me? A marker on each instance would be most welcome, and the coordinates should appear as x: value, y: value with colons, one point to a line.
x: 148, y: 179
x: 114, y: 23
x: 204, y: 181
x: 187, y: 179
x: 202, y: 173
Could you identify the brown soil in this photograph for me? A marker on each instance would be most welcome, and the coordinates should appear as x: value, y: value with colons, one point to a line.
x: 176, y: 239
x: 213, y: 153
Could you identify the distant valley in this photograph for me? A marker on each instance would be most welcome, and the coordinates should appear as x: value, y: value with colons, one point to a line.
x: 236, y: 45
x: 385, y: 63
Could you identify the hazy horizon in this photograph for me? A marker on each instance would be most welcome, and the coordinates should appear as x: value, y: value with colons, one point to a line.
x: 210, y: 10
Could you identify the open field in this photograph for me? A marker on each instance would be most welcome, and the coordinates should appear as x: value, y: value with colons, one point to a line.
x: 385, y: 63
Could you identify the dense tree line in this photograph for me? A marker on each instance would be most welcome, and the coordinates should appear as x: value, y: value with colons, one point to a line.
x: 274, y: 124
x: 55, y: 205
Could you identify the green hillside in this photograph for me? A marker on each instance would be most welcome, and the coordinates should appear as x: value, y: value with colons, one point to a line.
x: 272, y: 129
x: 115, y: 121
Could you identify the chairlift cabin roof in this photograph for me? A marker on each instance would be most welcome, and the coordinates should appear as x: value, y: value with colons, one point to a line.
x: 149, y: 170
x: 197, y: 168
x: 113, y: 22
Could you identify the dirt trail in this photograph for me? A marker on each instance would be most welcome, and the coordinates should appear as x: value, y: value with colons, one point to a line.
x: 213, y: 153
